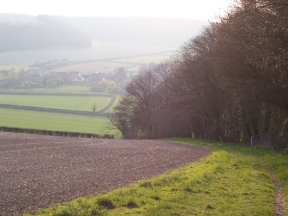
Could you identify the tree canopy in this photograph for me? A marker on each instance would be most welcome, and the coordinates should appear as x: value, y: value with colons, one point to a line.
x: 226, y: 84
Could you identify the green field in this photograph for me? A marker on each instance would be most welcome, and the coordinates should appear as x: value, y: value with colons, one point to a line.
x: 132, y: 69
x: 231, y: 181
x: 61, y: 89
x: 146, y: 59
x: 81, y: 103
x: 54, y: 121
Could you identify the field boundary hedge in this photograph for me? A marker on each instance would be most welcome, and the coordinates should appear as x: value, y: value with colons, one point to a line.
x: 55, y: 133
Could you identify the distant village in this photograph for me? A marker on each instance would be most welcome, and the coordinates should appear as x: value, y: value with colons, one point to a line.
x: 39, y: 75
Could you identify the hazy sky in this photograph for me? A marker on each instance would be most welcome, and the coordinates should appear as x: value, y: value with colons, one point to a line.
x: 188, y: 9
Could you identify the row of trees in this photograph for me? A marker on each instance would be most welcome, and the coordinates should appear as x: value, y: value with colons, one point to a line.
x: 227, y: 84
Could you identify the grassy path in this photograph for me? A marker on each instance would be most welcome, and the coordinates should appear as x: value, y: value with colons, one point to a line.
x: 279, y: 209
x: 109, y: 105
x: 233, y: 180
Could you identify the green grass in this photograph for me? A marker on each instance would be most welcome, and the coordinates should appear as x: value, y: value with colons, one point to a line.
x: 66, y: 89
x: 132, y: 69
x: 147, y: 59
x: 231, y: 181
x: 56, y: 122
x: 114, y: 104
x: 61, y: 89
x: 82, y: 103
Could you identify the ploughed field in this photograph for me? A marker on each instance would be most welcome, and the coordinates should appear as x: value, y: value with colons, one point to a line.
x: 38, y: 171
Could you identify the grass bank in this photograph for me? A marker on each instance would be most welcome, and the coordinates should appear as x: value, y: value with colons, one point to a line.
x: 231, y: 181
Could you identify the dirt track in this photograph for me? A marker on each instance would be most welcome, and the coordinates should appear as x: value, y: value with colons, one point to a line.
x: 37, y: 171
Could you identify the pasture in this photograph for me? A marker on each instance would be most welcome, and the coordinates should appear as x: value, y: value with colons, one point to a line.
x: 133, y: 69
x: 146, y: 59
x: 63, y: 89
x: 81, y: 103
x: 56, y: 122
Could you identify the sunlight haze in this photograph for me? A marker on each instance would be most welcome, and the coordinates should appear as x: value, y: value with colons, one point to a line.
x: 182, y: 9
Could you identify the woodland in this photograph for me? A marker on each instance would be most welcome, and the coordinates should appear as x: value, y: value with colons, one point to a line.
x: 226, y: 84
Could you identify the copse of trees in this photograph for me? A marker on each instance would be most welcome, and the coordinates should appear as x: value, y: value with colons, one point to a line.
x: 227, y: 84
x: 154, y: 106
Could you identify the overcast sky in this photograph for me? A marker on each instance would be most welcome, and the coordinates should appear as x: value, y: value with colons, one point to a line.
x: 187, y: 9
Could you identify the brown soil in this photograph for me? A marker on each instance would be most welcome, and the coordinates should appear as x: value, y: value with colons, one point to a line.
x: 37, y: 171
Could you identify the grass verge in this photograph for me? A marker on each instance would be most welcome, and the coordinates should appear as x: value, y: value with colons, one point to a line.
x: 231, y: 181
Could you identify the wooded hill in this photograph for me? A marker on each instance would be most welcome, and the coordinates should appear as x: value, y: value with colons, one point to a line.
x: 42, y: 33
x: 152, y: 31
x: 227, y: 84
x: 21, y: 32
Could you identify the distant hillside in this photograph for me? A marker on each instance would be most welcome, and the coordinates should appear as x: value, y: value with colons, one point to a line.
x: 167, y: 32
x: 16, y: 18
x: 38, y: 33
x: 18, y: 32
